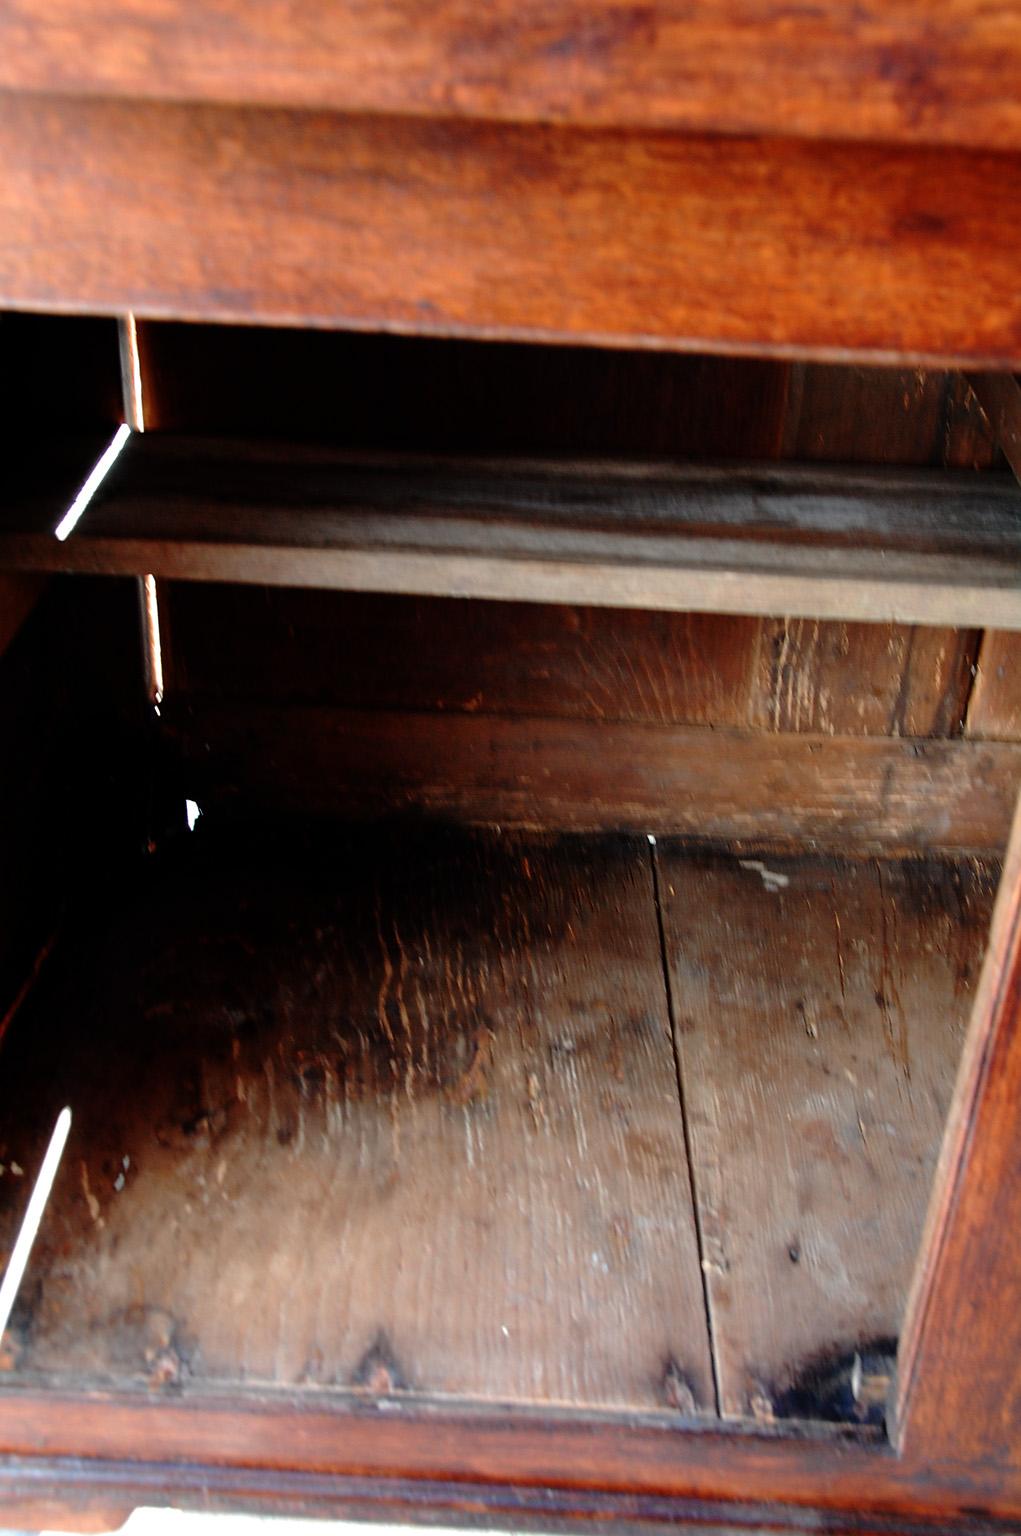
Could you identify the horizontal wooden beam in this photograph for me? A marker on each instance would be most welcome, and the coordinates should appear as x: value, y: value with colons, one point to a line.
x: 869, y: 792
x: 899, y: 70
x: 513, y: 1467
x: 915, y: 546
x: 774, y: 247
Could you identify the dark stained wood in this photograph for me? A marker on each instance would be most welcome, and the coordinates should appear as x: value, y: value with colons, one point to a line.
x: 429, y: 395
x: 401, y: 1117
x: 999, y: 395
x: 453, y: 655
x: 885, y: 416
x: 881, y: 545
x: 414, y: 393
x: 894, y: 71
x: 765, y: 247
x: 69, y: 773
x: 820, y: 1007
x: 18, y: 596
x: 865, y: 792
x: 959, y: 1383
x: 450, y: 655
x: 58, y: 375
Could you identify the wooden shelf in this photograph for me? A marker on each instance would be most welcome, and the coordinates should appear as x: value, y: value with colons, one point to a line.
x: 853, y: 544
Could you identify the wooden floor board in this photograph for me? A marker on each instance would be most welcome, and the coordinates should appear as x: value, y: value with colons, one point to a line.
x: 820, y: 1008
x: 393, y: 1113
x: 395, y: 1110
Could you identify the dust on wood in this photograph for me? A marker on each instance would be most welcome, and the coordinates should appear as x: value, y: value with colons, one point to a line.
x: 820, y: 1008
x: 379, y: 1111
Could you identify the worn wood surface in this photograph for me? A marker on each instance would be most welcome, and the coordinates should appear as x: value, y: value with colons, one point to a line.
x: 994, y: 709
x: 369, y: 651
x: 865, y: 792
x: 67, y: 1494
x: 189, y: 1125
x: 999, y: 395
x: 508, y: 1466
x: 818, y: 543
x: 820, y: 1008
x: 959, y: 1381
x: 898, y: 71
x: 884, y: 416
x: 767, y: 247
x: 388, y: 1112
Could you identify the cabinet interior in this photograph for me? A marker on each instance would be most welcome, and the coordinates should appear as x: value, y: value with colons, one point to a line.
x: 464, y: 997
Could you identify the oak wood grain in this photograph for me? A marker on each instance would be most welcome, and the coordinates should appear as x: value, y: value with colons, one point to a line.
x: 771, y: 247
x: 994, y: 709
x: 369, y: 651
x: 853, y: 544
x: 389, y: 1111
x: 899, y: 71
x: 862, y: 792
x: 820, y: 1008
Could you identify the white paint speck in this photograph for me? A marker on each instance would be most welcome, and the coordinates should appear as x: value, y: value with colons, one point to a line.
x: 772, y: 879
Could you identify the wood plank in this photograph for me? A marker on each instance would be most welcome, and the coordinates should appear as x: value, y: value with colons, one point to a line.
x: 885, y: 416
x: 864, y: 792
x: 278, y: 645
x: 469, y: 229
x: 999, y: 395
x: 959, y: 1379
x: 863, y: 545
x: 820, y: 1010
x: 367, y: 651
x: 410, y: 1126
x: 894, y: 71
x: 512, y: 1464
x: 994, y: 710
x: 423, y: 394
x: 862, y: 679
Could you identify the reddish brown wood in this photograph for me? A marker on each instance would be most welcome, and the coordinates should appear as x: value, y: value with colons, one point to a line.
x: 402, y: 1117
x: 994, y: 710
x: 499, y: 1456
x: 456, y: 655
x: 475, y: 229
x: 868, y: 792
x: 885, y: 416
x: 959, y: 1389
x: 894, y: 71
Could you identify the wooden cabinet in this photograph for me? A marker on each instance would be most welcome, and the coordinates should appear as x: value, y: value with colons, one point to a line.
x: 508, y: 772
